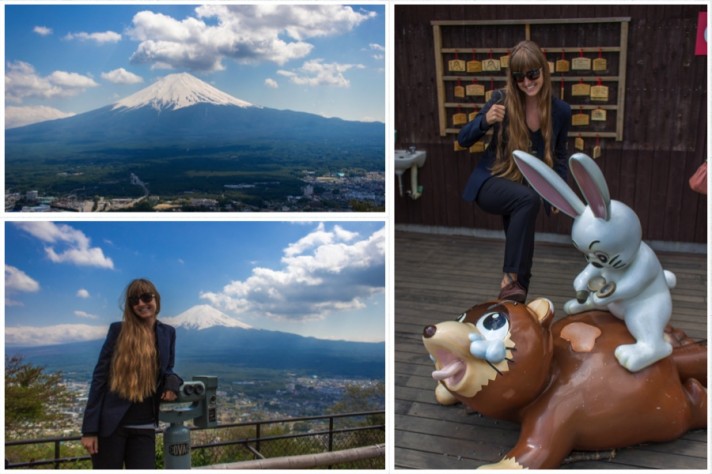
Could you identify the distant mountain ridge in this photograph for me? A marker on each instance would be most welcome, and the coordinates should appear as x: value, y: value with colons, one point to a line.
x: 181, y: 110
x: 211, y: 343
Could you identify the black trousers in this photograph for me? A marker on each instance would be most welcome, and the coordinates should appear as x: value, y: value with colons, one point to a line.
x: 518, y: 204
x: 129, y: 448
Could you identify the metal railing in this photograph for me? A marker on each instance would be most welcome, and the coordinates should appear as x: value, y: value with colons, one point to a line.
x: 228, y: 443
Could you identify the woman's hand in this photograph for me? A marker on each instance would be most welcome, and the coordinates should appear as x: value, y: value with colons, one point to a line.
x: 495, y: 114
x: 91, y: 444
x: 168, y: 396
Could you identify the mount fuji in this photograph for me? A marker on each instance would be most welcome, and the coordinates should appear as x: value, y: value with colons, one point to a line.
x: 180, y: 111
x: 203, y: 317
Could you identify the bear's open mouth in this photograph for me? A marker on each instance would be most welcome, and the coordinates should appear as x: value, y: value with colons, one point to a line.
x: 453, y: 369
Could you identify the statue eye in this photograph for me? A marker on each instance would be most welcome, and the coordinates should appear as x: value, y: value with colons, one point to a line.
x: 461, y: 318
x: 602, y: 257
x: 493, y: 326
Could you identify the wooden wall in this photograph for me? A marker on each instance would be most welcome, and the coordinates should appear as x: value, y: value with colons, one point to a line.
x: 665, y: 122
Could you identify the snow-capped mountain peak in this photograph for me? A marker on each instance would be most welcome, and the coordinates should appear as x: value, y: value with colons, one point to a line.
x: 202, y: 317
x: 177, y: 91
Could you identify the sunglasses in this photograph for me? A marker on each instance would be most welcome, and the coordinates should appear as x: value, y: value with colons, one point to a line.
x: 532, y: 75
x: 145, y: 298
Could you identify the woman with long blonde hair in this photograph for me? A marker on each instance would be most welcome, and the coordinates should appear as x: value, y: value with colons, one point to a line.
x: 133, y: 374
x: 524, y: 116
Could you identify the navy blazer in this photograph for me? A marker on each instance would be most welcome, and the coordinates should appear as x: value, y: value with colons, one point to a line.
x: 474, y: 130
x: 105, y: 409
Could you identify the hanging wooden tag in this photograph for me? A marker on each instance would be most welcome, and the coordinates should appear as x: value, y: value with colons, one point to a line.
x: 579, y: 144
x: 504, y: 61
x: 474, y: 66
x: 581, y: 64
x: 459, y: 118
x: 457, y: 147
x: 600, y: 64
x: 459, y: 91
x: 562, y: 65
x: 552, y: 67
x: 488, y: 95
x: 456, y: 65
x: 579, y: 119
x: 490, y: 65
x: 596, y: 152
x: 478, y: 147
x: 471, y: 116
x: 599, y: 92
x: 597, y: 148
x: 581, y: 89
x: 598, y: 115
x: 475, y: 89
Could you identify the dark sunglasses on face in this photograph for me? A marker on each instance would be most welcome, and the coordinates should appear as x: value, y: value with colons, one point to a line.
x: 532, y: 75
x: 145, y: 297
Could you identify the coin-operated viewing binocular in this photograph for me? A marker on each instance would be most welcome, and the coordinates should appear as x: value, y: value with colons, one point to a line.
x: 197, y: 401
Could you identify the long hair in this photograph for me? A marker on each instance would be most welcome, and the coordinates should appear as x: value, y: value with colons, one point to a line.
x: 134, y: 365
x: 525, y: 56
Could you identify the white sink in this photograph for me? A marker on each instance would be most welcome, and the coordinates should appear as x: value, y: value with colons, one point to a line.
x: 405, y: 159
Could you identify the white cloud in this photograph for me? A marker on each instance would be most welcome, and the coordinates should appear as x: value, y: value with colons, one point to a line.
x: 83, y: 293
x: 84, y: 314
x: 246, y: 33
x: 317, y: 73
x: 324, y: 273
x: 269, y: 82
x: 18, y: 281
x: 22, y: 81
x: 121, y: 76
x: 76, y: 247
x: 99, y: 37
x: 42, y: 30
x: 18, y: 116
x: 51, y: 335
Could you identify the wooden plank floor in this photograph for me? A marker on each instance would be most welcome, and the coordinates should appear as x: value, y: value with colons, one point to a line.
x: 437, y: 277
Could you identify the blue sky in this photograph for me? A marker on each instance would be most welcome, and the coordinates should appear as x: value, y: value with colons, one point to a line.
x: 64, y: 280
x: 67, y: 59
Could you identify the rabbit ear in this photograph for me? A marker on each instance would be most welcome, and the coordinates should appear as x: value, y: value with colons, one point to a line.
x: 548, y: 184
x: 592, y: 184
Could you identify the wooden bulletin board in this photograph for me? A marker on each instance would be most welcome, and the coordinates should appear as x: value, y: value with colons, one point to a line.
x: 605, y: 115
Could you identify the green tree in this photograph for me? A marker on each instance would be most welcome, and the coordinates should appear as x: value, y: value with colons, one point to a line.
x: 32, y: 396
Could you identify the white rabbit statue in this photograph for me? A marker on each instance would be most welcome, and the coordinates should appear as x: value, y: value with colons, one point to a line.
x: 623, y: 274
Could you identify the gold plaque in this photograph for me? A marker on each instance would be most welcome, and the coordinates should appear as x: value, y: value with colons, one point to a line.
x: 459, y: 119
x: 581, y: 89
x: 490, y: 65
x: 472, y: 116
x: 599, y: 93
x: 474, y: 66
x: 488, y: 95
x: 504, y: 61
x: 598, y: 115
x: 581, y: 64
x: 578, y: 144
x: 459, y: 91
x: 475, y: 89
x: 456, y: 65
x: 600, y: 64
x: 478, y: 147
x: 562, y: 65
x: 579, y: 119
x: 457, y: 147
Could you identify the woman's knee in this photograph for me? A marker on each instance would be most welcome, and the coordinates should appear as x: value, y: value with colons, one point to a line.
x: 529, y: 201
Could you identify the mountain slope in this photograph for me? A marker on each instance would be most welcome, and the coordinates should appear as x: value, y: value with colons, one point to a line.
x: 181, y: 111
